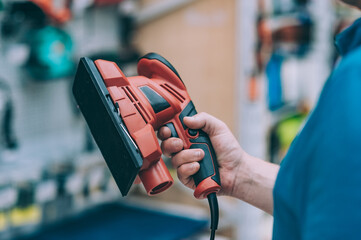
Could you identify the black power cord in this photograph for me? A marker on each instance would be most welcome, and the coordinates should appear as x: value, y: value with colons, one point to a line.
x: 213, y: 207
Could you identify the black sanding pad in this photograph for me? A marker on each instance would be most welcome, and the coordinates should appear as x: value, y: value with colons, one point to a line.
x: 117, y: 147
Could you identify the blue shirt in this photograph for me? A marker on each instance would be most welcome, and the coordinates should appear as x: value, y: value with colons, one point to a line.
x: 317, y: 194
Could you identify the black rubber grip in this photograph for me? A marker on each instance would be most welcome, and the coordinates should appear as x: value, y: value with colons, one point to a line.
x: 157, y: 102
x: 209, y: 164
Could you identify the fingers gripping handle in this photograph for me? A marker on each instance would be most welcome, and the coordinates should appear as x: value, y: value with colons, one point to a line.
x: 207, y: 178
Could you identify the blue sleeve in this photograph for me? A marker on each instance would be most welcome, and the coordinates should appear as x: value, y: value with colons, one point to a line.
x: 333, y: 209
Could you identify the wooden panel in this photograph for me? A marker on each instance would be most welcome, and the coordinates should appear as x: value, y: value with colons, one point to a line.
x: 199, y: 40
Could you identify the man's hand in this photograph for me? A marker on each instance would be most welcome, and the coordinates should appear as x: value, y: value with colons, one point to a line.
x: 228, y: 151
x: 242, y: 176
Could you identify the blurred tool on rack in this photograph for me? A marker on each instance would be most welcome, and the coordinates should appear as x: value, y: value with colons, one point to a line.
x: 37, y: 25
x: 285, y: 130
x: 283, y: 32
x: 291, y: 37
x: 8, y: 139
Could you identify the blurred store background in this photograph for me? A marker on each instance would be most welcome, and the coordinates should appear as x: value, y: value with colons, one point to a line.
x: 257, y: 65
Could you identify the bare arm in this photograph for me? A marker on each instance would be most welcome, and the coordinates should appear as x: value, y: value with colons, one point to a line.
x: 255, y: 183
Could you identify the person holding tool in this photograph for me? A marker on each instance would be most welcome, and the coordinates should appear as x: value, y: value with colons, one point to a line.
x: 316, y: 192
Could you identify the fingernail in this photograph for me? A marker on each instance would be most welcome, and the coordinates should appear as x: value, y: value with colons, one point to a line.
x: 198, y: 154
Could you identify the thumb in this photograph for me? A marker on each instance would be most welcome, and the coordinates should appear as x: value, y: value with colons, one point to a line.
x: 207, y: 123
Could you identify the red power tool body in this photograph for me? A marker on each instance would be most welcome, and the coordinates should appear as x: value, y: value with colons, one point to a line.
x: 123, y: 114
x: 155, y: 98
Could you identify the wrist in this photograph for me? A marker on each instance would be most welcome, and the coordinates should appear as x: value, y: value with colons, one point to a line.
x: 235, y: 177
x: 255, y: 181
x: 242, y: 177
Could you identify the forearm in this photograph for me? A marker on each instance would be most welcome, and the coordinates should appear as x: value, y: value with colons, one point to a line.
x: 255, y: 180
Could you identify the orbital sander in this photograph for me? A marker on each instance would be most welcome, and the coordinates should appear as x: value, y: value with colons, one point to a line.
x: 123, y: 114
